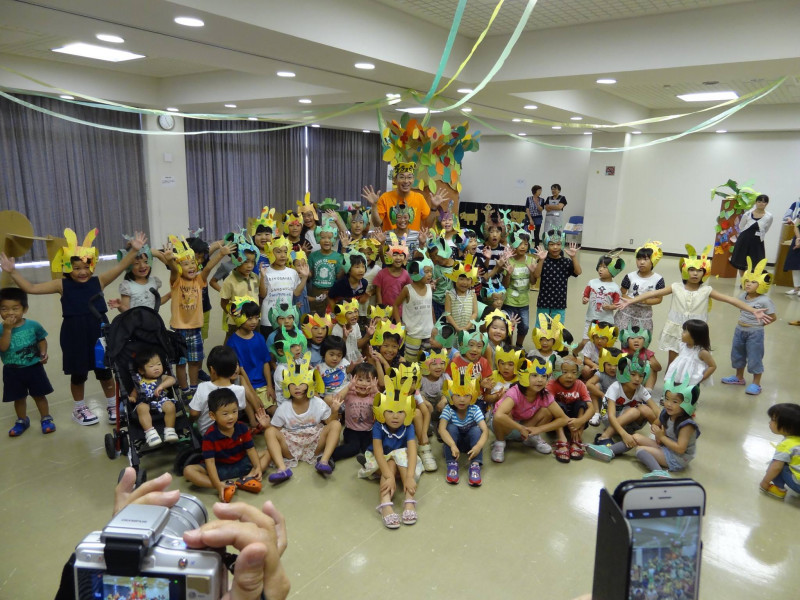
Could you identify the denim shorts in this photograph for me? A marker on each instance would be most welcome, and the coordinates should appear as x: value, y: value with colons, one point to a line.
x: 235, y: 470
x: 747, y: 349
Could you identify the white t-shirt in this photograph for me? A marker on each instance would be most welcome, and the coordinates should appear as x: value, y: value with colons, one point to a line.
x: 335, y: 378
x: 200, y: 403
x: 280, y: 289
x: 277, y: 378
x: 351, y: 341
x: 616, y: 395
x: 286, y: 418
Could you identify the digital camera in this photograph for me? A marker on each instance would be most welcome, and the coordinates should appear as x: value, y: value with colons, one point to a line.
x: 141, y: 554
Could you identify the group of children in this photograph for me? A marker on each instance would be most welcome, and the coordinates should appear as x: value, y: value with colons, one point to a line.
x: 366, y: 347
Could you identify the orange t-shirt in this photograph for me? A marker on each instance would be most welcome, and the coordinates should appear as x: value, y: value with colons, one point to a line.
x: 187, y: 303
x: 414, y: 200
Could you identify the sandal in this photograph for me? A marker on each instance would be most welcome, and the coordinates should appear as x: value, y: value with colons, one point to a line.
x: 47, y: 425
x: 249, y: 484
x: 561, y: 452
x: 390, y: 521
x: 228, y: 492
x: 409, y: 515
x: 279, y: 476
x: 576, y: 451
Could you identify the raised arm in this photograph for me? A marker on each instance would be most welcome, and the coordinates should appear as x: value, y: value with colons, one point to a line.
x: 138, y: 241
x: 8, y: 265
x: 758, y: 313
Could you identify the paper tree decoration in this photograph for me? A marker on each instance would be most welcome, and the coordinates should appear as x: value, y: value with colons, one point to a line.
x: 438, y: 154
x: 734, y: 204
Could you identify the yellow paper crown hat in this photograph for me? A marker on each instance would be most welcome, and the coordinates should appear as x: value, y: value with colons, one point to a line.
x: 514, y: 356
x: 306, y: 205
x: 340, y: 310
x: 693, y: 261
x: 314, y: 320
x: 235, y: 306
x: 462, y: 384
x: 606, y: 330
x: 431, y: 357
x: 466, y: 268
x: 277, y: 242
x: 757, y: 274
x: 62, y: 261
x: 402, y: 372
x: 655, y: 247
x: 290, y: 217
x: 608, y: 358
x: 181, y: 248
x: 549, y: 328
x: 300, y: 372
x: 267, y: 219
x: 384, y: 328
x: 396, y: 400
x: 380, y: 312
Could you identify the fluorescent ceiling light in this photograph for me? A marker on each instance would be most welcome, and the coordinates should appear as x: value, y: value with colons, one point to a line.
x: 466, y: 110
x: 97, y: 52
x: 252, y: 118
x: 464, y: 90
x: 530, y: 107
x: 391, y: 95
x: 305, y: 101
x: 636, y: 132
x: 417, y: 110
x: 722, y: 131
x: 556, y: 126
x: 189, y: 21
x: 315, y: 124
x: 230, y: 106
x: 606, y: 81
x: 587, y: 133
x: 522, y: 134
x: 173, y: 109
x: 111, y: 39
x: 516, y: 120
x: 366, y: 131
x: 708, y: 96
x: 364, y: 65
x: 285, y: 74
x: 576, y: 118
x: 394, y: 101
x: 67, y: 97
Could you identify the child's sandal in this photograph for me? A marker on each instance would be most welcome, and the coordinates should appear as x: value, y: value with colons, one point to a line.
x: 249, y: 484
x: 576, y: 451
x: 390, y: 521
x: 228, y: 492
x: 561, y: 452
x: 409, y: 515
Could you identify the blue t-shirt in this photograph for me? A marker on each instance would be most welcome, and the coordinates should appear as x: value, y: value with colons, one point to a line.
x: 23, y: 349
x: 392, y: 440
x: 473, y: 417
x: 252, y: 355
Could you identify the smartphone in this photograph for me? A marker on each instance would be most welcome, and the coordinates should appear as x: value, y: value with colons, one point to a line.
x: 665, y: 519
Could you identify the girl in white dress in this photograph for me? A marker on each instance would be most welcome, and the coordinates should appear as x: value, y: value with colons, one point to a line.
x: 694, y: 358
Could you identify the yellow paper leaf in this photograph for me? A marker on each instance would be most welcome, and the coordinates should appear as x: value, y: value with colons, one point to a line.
x: 385, y: 132
x: 388, y: 155
x: 415, y: 134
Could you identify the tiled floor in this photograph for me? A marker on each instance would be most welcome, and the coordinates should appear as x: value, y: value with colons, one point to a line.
x: 529, y: 531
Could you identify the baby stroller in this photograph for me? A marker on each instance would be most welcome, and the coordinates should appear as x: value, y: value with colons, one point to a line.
x: 129, y: 333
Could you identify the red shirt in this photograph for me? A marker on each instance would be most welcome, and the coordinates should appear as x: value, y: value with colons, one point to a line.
x: 482, y: 365
x: 576, y: 393
x: 390, y: 285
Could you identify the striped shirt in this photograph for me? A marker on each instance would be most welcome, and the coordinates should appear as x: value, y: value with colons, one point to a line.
x: 224, y: 449
x: 473, y: 417
x: 461, y: 307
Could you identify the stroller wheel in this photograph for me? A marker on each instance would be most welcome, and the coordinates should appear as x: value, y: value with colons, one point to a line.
x: 111, y: 446
x: 186, y: 457
x: 123, y: 444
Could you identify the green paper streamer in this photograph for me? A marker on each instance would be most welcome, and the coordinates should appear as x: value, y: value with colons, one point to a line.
x: 451, y: 38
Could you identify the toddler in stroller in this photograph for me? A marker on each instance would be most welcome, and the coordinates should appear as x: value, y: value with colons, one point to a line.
x: 150, y: 394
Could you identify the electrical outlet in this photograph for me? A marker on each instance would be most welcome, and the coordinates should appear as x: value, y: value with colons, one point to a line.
x: 631, y: 241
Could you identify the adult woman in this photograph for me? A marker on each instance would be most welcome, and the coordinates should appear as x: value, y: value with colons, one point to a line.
x: 753, y: 227
x: 552, y: 208
x: 792, y: 262
x: 533, y: 213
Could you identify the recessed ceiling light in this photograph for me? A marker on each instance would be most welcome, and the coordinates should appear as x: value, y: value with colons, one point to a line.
x: 530, y: 107
x: 391, y: 95
x: 285, y: 74
x: 305, y: 101
x: 394, y: 101
x: 189, y: 21
x: 636, y: 132
x: 556, y: 126
x: 708, y: 96
x: 315, y: 124
x: 522, y: 134
x: 67, y: 97
x: 366, y: 131
x: 364, y: 65
x: 173, y: 109
x: 576, y: 118
x: 97, y: 52
x: 252, y: 118
x: 606, y: 81
x: 516, y: 120
x: 722, y: 131
x: 230, y: 106
x: 464, y: 90
x: 417, y: 110
x: 587, y: 133
x: 466, y: 110
x: 111, y: 39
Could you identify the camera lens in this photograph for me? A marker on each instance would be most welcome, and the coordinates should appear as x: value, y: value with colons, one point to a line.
x: 187, y: 514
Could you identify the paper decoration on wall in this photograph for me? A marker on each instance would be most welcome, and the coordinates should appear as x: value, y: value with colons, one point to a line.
x: 736, y: 201
x: 438, y: 155
x: 469, y: 218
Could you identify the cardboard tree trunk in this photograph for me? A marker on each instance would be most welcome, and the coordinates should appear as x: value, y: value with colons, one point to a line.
x: 727, y: 229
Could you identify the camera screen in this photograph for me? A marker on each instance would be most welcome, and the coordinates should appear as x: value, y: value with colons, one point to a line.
x: 99, y: 585
x: 666, y: 543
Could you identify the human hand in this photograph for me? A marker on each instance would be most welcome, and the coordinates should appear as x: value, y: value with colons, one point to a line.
x: 347, y: 330
x: 573, y: 424
x: 585, y: 300
x: 438, y: 198
x: 515, y: 320
x: 371, y: 328
x: 307, y: 247
x: 255, y: 473
x: 262, y: 418
x: 261, y: 539
x: 473, y: 452
x: 150, y: 492
x: 762, y: 316
x: 344, y: 238
x: 541, y: 252
x: 10, y: 321
x: 302, y: 270
x: 455, y: 451
x: 410, y: 484
x: 379, y: 236
x: 227, y: 249
x: 628, y: 439
x: 169, y: 252
x: 114, y: 302
x: 43, y: 358
x: 336, y: 403
x: 271, y: 393
x: 138, y: 241
x: 487, y: 253
x: 369, y: 194
x: 487, y: 383
x: 571, y: 250
x: 221, y: 491
x: 7, y: 263
x: 388, y: 486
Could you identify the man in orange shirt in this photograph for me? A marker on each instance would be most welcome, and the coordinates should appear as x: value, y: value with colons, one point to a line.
x: 422, y: 215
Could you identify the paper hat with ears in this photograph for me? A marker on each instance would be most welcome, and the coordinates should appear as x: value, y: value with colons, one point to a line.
x: 630, y: 364
x: 416, y: 268
x: 358, y: 213
x: 758, y: 274
x: 347, y: 259
x: 395, y: 245
x: 314, y: 320
x: 464, y: 337
x: 462, y: 383
x: 498, y: 314
x: 243, y: 244
x: 466, y: 268
x: 235, y: 306
x: 690, y: 394
x: 609, y: 356
x: 300, y: 372
x: 306, y: 205
x: 693, y: 261
x: 290, y: 217
x: 616, y: 265
x: 514, y: 355
x: 296, y: 255
x: 395, y: 400
x: 657, y: 251
x: 558, y: 237
x: 634, y: 332
x: 62, y: 262
x: 606, y: 330
x: 385, y: 328
x: 537, y: 365
x: 432, y: 357
x: 181, y: 249
x: 340, y: 310
x: 549, y: 328
x: 267, y: 219
x: 380, y: 312
x: 441, y: 245
x: 277, y: 242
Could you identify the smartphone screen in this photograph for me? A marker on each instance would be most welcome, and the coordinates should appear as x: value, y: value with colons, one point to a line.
x: 665, y: 552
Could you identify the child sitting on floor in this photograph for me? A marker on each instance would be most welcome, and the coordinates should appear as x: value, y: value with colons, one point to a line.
x: 572, y: 396
x: 784, y: 470
x: 358, y: 418
x: 601, y: 380
x: 635, y: 342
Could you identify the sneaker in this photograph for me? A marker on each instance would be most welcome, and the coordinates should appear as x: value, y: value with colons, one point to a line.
x: 753, y: 389
x: 20, y: 425
x: 600, y: 452
x: 112, y: 414
x: 536, y: 442
x: 601, y: 441
x: 152, y: 438
x: 361, y: 459
x: 774, y: 491
x: 498, y: 452
x: 428, y: 461
x: 595, y: 420
x: 83, y: 416
x: 47, y: 424
x: 792, y: 292
x: 657, y: 474
x: 452, y: 471
x: 170, y: 436
x: 475, y: 474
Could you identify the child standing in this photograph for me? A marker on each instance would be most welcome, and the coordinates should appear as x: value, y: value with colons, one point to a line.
x: 554, y: 270
x: 353, y: 285
x: 23, y: 350
x: 394, y: 277
x: 462, y: 427
x: 747, y: 348
x: 493, y: 252
x: 347, y: 327
x: 228, y: 451
x: 441, y: 252
x: 602, y: 294
x: 417, y: 315
x: 784, y: 470
x: 394, y: 452
x: 283, y: 283
x: 675, y: 432
x: 571, y: 395
x: 251, y: 349
x: 150, y: 393
x: 460, y: 302
x: 471, y: 361
x: 242, y: 281
x: 518, y: 278
x: 324, y: 266
x: 358, y: 418
x: 134, y: 289
x: 694, y: 359
x: 305, y: 428
x: 644, y: 279
x: 80, y: 329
